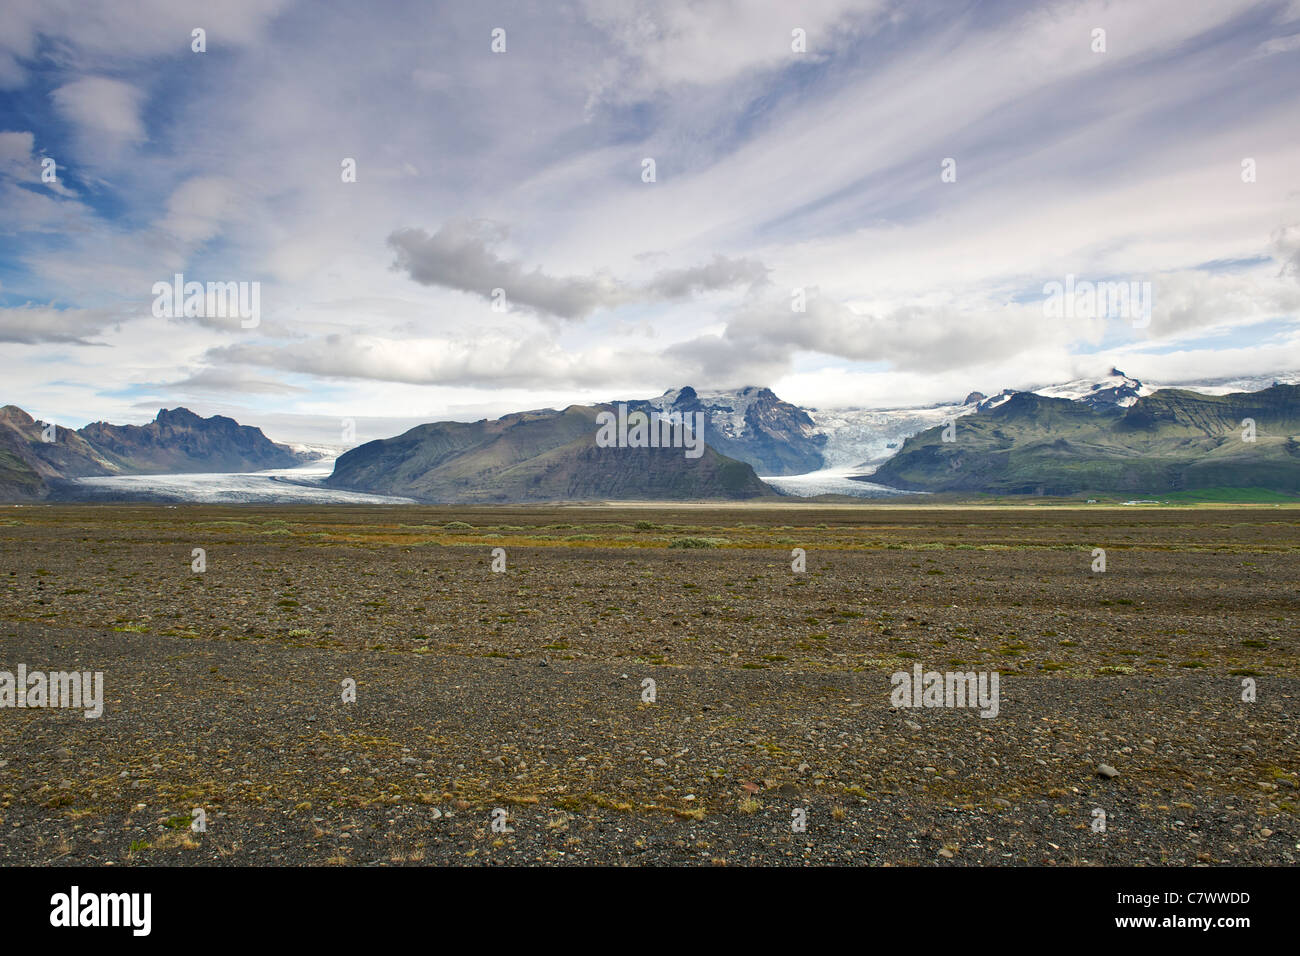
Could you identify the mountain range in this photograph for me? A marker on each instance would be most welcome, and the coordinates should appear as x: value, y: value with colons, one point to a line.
x: 37, y: 459
x: 1110, y: 434
x: 1168, y: 441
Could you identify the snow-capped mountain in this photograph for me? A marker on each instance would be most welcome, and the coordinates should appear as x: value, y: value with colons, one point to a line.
x: 1168, y: 441
x: 799, y: 451
x: 862, y: 438
x: 749, y: 424
x: 1248, y: 383
x: 1123, y: 390
x: 1115, y: 389
x: 807, y: 451
x: 859, y: 440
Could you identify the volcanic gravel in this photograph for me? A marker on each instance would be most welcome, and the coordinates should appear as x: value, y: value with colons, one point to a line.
x: 502, y: 717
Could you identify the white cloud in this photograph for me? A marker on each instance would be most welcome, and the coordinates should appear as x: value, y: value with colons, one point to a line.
x: 199, y: 208
x: 1280, y: 45
x: 102, y: 109
x: 33, y: 324
x: 775, y: 171
x: 90, y: 35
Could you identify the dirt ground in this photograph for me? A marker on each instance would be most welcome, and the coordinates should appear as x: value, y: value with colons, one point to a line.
x: 509, y: 716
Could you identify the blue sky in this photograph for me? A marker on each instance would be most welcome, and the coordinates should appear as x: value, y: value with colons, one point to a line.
x: 776, y: 170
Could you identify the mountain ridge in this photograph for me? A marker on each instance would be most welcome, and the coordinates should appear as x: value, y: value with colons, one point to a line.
x: 1171, y: 440
x: 32, y: 466
x: 549, y: 454
x: 543, y: 455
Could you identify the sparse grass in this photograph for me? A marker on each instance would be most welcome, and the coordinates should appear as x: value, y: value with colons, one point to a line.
x: 696, y: 542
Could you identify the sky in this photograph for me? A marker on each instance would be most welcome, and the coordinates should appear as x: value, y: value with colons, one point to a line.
x: 856, y: 204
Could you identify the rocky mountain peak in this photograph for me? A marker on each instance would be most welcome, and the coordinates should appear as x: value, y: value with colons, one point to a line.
x: 13, y: 415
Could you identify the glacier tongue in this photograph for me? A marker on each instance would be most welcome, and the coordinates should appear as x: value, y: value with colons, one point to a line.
x: 859, y: 439
x: 831, y: 481
x: 279, y: 486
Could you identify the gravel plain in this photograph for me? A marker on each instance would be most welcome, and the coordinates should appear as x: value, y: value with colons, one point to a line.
x: 501, y: 718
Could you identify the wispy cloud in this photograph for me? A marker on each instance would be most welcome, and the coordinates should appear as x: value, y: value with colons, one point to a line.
x: 38, y: 325
x: 780, y: 167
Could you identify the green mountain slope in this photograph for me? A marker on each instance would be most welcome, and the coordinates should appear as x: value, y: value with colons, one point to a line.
x: 535, y: 456
x: 1172, y: 440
